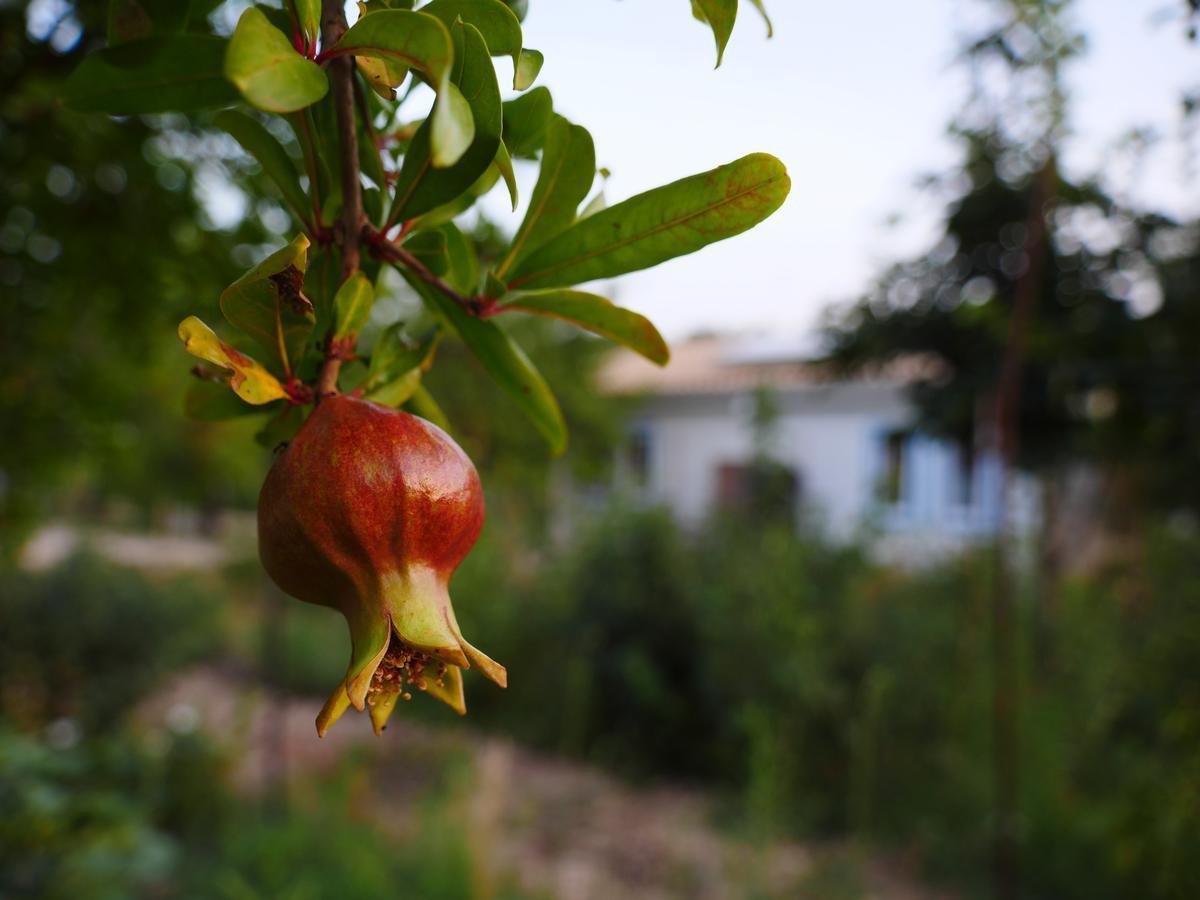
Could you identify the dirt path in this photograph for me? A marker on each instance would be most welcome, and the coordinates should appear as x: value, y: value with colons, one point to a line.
x: 553, y: 826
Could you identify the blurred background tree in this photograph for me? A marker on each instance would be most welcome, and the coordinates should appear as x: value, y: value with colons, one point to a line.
x: 1109, y: 373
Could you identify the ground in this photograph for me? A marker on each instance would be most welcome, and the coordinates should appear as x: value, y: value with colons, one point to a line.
x: 552, y: 826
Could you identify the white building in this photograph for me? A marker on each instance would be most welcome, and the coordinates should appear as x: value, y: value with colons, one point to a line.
x: 857, y: 466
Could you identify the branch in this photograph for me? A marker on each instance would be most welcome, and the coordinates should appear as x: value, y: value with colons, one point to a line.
x: 341, y: 70
x: 480, y: 307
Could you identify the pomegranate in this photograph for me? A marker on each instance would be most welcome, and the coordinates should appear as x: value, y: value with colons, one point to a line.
x: 370, y: 510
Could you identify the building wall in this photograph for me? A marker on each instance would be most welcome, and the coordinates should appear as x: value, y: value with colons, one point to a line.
x: 834, y: 438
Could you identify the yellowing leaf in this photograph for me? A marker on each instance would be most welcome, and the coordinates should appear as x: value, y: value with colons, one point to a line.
x: 269, y: 305
x: 250, y: 381
x: 383, y: 75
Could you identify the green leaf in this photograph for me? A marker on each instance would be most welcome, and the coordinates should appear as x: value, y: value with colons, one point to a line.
x: 213, y: 401
x: 453, y: 127
x: 599, y: 316
x: 661, y: 224
x: 421, y: 186
x: 493, y: 287
x: 318, y: 124
x: 372, y: 198
x: 567, y: 172
x: 422, y: 404
x: 266, y: 68
x: 504, y: 360
x: 719, y: 14
x: 528, y: 66
x: 462, y: 271
x: 504, y: 165
x: 322, y: 279
x: 500, y: 28
x: 526, y: 119
x: 429, y: 246
x: 308, y: 14
x: 369, y: 160
x: 175, y: 72
x: 250, y: 381
x: 422, y: 43
x: 275, y: 162
x: 394, y: 355
x: 353, y: 305
x: 268, y: 304
x: 762, y: 11
x: 397, y: 391
x: 460, y: 204
x: 131, y: 20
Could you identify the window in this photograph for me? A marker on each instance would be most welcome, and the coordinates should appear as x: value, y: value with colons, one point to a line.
x: 637, y: 457
x: 764, y: 489
x: 963, y: 488
x: 895, y: 463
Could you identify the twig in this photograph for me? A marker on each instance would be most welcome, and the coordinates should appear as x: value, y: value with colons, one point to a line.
x: 480, y: 307
x: 333, y: 26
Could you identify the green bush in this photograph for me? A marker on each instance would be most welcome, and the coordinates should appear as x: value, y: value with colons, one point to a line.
x: 88, y: 639
x: 107, y: 818
x: 834, y: 696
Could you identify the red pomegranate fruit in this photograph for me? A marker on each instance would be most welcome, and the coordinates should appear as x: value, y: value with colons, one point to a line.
x: 370, y: 510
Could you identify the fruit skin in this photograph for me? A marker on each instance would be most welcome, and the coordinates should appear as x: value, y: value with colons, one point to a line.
x: 369, y: 510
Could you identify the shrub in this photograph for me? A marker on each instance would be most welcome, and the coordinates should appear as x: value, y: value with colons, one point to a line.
x: 88, y: 639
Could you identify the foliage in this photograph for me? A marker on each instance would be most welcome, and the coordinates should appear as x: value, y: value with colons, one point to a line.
x: 114, y: 818
x: 1108, y: 373
x: 92, y: 808
x: 832, y: 695
x: 86, y: 366
x: 86, y: 640
x: 104, y: 246
x: 1103, y: 379
x: 337, y: 123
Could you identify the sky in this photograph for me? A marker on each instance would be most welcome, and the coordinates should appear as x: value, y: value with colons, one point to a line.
x: 855, y: 99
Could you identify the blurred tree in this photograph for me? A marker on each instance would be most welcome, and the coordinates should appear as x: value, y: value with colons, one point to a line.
x: 1108, y: 372
x: 104, y: 243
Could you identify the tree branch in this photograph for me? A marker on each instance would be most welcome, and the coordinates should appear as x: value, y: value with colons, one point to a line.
x: 341, y: 70
x: 481, y: 307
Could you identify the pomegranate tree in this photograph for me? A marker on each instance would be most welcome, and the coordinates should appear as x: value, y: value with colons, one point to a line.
x: 369, y: 509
